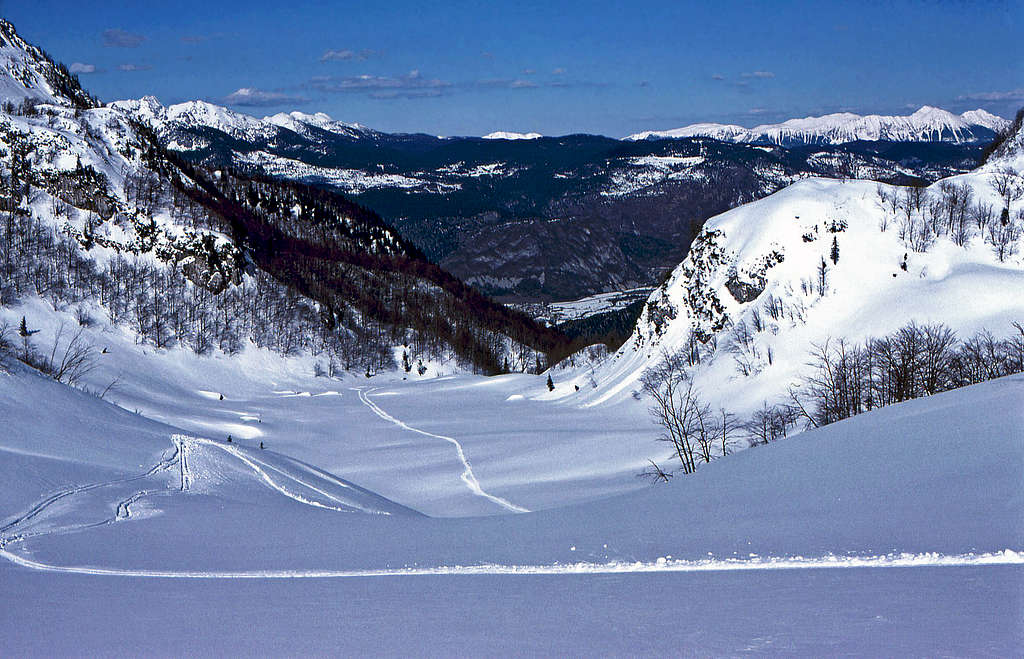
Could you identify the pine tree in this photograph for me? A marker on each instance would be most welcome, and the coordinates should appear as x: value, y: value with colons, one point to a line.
x: 551, y: 385
x: 835, y: 249
x: 23, y: 329
x: 406, y: 364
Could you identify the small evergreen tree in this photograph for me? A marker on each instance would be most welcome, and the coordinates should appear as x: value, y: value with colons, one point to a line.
x: 835, y: 250
x: 551, y: 385
x: 406, y: 364
x: 24, y: 332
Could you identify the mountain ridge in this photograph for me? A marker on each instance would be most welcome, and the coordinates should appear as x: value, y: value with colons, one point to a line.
x: 927, y: 124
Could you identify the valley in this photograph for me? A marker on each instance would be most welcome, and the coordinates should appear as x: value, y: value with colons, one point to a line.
x: 294, y: 385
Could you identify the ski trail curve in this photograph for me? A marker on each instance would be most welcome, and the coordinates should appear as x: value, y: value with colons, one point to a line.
x: 905, y: 560
x: 262, y: 469
x: 40, y: 507
x: 468, y: 477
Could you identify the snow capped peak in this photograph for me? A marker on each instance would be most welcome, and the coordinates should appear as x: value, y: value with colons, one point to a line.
x: 931, y: 112
x: 147, y: 108
x: 504, y: 135
x: 927, y: 124
x: 300, y: 122
x: 980, y: 117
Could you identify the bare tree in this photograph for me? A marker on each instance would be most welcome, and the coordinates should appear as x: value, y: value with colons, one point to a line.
x: 677, y: 407
x: 655, y: 473
x: 1004, y: 236
x: 1007, y: 185
x: 75, y: 361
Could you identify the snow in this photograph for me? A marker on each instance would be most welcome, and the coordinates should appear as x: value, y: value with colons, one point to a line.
x: 448, y: 513
x: 868, y: 293
x: 844, y: 524
x: 926, y: 124
x: 505, y: 135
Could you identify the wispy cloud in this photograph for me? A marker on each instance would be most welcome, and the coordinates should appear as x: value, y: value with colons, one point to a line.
x: 503, y: 83
x: 348, y: 55
x: 117, y: 38
x: 1011, y: 95
x: 253, y: 97
x: 717, y: 76
x: 81, y: 67
x: 200, y: 38
x: 758, y: 74
x: 529, y: 72
x: 134, y: 67
x: 410, y: 85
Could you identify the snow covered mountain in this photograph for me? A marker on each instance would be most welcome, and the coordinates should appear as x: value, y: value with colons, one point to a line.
x: 537, y: 218
x: 928, y: 124
x: 302, y: 123
x: 822, y: 259
x: 503, y: 135
x: 27, y: 73
x: 96, y: 184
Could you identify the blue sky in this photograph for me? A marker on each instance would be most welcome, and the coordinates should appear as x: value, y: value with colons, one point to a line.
x: 464, y: 68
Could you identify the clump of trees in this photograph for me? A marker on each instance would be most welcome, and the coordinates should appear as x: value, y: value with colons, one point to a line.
x: 845, y: 379
x: 953, y: 211
x: 917, y: 360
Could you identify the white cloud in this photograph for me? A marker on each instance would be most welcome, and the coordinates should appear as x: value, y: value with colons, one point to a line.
x: 1011, y: 95
x: 253, y: 97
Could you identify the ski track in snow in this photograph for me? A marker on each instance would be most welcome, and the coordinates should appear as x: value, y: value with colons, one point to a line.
x: 262, y: 468
x: 468, y: 477
x: 1005, y: 557
x: 184, y: 446
x: 39, y: 508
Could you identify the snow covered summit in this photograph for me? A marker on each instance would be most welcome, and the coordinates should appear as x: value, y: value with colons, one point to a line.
x: 927, y: 124
x: 505, y: 135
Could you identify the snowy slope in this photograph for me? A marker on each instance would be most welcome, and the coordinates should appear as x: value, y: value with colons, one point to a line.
x: 768, y: 250
x: 27, y: 73
x: 118, y: 500
x: 925, y: 125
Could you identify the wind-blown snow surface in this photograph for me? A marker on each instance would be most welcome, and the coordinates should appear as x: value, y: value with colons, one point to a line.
x: 926, y: 124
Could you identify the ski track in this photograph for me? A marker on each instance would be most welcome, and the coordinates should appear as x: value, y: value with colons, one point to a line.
x: 1005, y: 557
x: 184, y: 446
x: 261, y: 470
x: 40, y: 507
x: 468, y: 477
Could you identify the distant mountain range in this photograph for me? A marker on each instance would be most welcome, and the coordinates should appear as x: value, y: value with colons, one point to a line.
x: 528, y: 217
x: 928, y: 124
